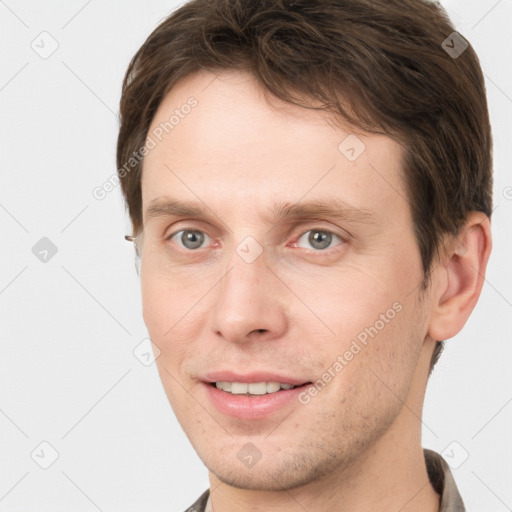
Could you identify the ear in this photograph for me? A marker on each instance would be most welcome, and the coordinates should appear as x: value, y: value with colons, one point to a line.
x: 459, y: 277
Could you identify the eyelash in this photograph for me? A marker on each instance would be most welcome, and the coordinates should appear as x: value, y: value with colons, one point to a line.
x: 343, y: 240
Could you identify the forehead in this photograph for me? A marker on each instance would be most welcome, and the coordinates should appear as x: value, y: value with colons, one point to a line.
x: 221, y: 137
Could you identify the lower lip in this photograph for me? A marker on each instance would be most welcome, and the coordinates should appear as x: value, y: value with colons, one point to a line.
x: 251, y: 407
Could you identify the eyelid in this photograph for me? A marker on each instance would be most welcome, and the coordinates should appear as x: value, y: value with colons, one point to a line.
x: 315, y: 225
x: 186, y: 227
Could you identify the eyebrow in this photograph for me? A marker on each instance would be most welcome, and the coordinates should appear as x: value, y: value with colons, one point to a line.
x: 332, y: 208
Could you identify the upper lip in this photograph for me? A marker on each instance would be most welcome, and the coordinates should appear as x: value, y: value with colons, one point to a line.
x: 260, y: 376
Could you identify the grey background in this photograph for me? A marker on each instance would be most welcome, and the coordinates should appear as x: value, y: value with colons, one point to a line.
x: 71, y: 320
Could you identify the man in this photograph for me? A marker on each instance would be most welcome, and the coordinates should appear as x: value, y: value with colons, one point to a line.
x: 309, y: 185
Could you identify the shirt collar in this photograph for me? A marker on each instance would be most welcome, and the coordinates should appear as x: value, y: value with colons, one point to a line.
x: 443, y: 482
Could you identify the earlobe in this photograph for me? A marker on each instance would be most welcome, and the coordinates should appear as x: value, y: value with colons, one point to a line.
x: 461, y: 273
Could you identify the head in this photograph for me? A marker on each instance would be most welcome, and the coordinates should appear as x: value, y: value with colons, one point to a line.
x: 311, y: 195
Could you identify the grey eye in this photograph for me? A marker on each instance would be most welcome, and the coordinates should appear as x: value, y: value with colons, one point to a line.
x: 190, y: 238
x: 319, y: 239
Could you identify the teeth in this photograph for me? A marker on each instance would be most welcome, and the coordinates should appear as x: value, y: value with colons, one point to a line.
x: 238, y: 388
x: 272, y: 387
x: 257, y: 388
x: 253, y: 388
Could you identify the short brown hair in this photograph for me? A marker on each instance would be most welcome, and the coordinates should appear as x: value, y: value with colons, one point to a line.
x: 384, y: 66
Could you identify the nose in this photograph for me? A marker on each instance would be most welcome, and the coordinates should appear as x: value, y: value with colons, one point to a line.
x: 251, y: 303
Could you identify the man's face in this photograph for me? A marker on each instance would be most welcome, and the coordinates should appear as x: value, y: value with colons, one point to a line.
x: 329, y: 298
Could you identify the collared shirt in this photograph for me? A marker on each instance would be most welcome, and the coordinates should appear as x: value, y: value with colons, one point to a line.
x: 438, y: 471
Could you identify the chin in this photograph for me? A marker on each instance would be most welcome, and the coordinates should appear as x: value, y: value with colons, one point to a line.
x: 276, y: 474
x: 263, y: 479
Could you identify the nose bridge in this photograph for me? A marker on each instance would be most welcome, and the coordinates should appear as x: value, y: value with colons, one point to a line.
x: 248, y: 298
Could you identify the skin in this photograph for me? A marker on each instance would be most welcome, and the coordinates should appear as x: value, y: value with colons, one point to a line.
x: 357, y: 444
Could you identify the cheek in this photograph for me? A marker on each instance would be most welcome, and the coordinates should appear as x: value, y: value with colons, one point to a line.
x: 341, y: 304
x: 166, y: 293
x: 383, y: 370
x: 171, y: 314
x: 173, y: 323
x: 155, y: 305
x: 362, y: 321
